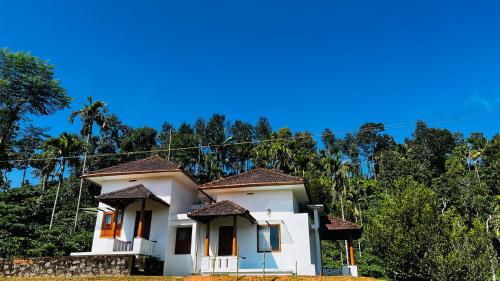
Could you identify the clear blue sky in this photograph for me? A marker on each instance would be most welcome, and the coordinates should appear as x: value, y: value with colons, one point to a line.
x: 305, y: 65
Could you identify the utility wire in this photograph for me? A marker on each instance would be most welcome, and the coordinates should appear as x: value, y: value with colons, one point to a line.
x: 450, y: 119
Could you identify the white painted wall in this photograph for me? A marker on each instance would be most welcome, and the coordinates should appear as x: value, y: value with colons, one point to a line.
x: 169, y: 189
x: 260, y: 201
x: 296, y: 237
x: 183, y: 198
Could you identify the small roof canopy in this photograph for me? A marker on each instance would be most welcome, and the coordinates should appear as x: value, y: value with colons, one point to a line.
x: 335, y: 228
x: 223, y: 208
x: 120, y: 199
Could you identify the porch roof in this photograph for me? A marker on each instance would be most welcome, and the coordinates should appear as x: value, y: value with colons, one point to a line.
x: 121, y: 198
x: 223, y: 208
x: 335, y: 228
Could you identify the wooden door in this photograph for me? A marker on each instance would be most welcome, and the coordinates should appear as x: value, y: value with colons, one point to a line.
x: 225, y: 241
x: 146, y: 227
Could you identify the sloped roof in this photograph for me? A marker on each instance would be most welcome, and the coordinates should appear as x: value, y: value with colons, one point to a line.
x: 258, y: 176
x: 223, y: 208
x: 336, y: 223
x: 122, y: 197
x: 335, y: 228
x: 152, y: 164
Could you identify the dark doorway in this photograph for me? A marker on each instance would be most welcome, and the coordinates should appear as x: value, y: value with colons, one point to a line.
x: 146, y: 228
x: 225, y: 241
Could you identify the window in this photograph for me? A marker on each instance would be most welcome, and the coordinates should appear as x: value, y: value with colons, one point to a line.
x: 268, y: 238
x: 183, y: 241
x: 107, y: 224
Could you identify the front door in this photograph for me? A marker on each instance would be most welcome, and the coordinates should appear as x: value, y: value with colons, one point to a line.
x: 225, y: 241
x: 146, y: 227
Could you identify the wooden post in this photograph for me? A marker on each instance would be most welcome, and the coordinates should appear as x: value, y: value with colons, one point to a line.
x: 234, y: 235
x: 113, y: 223
x: 141, y: 219
x: 352, y: 259
x: 207, y: 240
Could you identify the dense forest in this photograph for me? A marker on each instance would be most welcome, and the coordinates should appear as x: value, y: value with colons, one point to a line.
x: 429, y: 205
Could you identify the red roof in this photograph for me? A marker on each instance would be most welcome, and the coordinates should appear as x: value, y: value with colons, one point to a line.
x: 258, y: 176
x: 152, y: 164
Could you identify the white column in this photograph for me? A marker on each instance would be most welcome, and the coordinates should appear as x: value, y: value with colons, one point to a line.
x: 319, y: 262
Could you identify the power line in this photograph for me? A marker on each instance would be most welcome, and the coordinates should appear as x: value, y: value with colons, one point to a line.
x: 450, y: 119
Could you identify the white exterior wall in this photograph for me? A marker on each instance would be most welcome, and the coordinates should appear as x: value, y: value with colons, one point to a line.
x: 295, y: 234
x: 183, y: 198
x: 297, y: 240
x: 169, y: 190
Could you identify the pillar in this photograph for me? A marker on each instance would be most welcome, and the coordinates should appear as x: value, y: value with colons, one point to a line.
x: 235, y: 243
x: 207, y: 240
x: 352, y: 258
x: 141, y: 219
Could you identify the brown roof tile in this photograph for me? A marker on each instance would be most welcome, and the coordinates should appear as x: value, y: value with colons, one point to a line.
x: 146, y: 165
x: 335, y: 228
x: 258, y: 176
x: 220, y: 209
x: 336, y: 223
x: 122, y: 197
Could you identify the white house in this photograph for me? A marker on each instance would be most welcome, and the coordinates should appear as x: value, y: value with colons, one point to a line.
x: 254, y: 222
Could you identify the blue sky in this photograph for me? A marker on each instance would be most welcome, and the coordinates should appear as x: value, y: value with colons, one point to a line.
x: 303, y: 64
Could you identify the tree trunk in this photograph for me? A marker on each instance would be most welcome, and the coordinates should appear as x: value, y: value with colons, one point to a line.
x: 81, y: 182
x: 24, y: 174
x: 57, y: 196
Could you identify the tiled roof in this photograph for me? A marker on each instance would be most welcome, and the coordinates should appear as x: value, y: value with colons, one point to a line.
x: 223, y: 208
x: 121, y: 198
x: 258, y: 176
x: 335, y: 228
x: 146, y: 165
x: 336, y: 223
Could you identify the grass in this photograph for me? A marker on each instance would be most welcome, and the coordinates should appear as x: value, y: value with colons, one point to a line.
x: 197, y: 278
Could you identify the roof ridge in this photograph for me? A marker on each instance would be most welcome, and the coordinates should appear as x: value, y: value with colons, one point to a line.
x: 256, y: 169
x: 229, y: 177
x: 216, y: 204
x: 134, y: 162
x: 280, y: 172
x: 130, y: 162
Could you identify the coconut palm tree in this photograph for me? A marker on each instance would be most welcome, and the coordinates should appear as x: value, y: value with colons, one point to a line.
x: 66, y: 148
x: 94, y: 112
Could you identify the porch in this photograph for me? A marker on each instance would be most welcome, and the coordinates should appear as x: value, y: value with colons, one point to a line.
x: 228, y: 242
x: 126, y: 223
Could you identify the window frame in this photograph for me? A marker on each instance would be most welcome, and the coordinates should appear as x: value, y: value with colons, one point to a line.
x: 107, y: 227
x: 279, y: 237
x: 189, y: 233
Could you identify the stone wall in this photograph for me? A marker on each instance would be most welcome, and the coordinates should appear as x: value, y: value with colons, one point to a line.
x: 67, y: 266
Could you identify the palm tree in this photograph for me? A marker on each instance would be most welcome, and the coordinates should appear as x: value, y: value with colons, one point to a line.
x: 63, y: 147
x: 94, y: 112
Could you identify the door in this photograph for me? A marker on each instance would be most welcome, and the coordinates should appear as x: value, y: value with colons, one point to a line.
x: 146, y: 227
x: 225, y: 241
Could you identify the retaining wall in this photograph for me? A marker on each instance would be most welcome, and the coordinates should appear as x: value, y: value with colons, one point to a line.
x: 67, y: 266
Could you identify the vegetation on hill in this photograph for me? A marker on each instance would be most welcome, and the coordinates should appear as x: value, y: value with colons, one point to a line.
x: 429, y: 205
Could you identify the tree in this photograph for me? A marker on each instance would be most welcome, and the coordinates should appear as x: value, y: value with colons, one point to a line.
x: 94, y: 112
x: 243, y: 134
x: 138, y: 142
x: 66, y: 148
x: 27, y: 86
x: 263, y: 129
x: 31, y: 139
